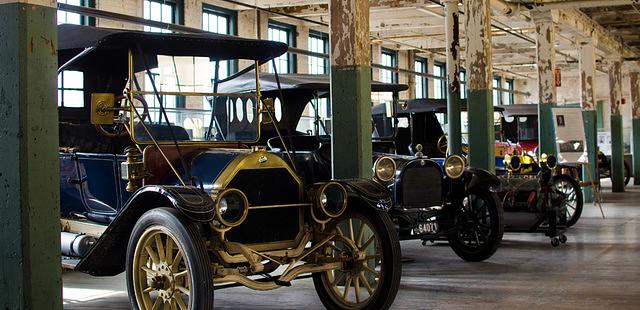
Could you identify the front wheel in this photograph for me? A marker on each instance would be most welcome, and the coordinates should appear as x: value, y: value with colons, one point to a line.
x: 368, y: 245
x: 571, y: 197
x: 167, y: 264
x: 479, y: 226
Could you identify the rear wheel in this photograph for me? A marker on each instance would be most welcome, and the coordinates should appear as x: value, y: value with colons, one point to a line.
x: 369, y: 247
x: 167, y: 264
x: 480, y: 226
x: 627, y: 173
x: 571, y: 197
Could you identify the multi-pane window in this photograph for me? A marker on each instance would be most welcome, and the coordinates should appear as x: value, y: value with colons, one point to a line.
x: 160, y: 11
x: 439, y: 85
x: 508, y: 94
x: 167, y: 12
x: 421, y: 81
x: 220, y: 21
x: 463, y: 84
x: 388, y: 58
x: 71, y: 89
x: 71, y: 83
x: 497, y: 92
x: 285, y: 34
x: 74, y: 18
x: 318, y: 43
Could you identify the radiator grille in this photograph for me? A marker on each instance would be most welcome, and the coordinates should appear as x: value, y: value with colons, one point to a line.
x: 265, y: 187
x: 421, y: 187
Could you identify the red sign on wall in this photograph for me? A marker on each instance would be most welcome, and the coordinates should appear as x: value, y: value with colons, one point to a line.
x: 557, y: 77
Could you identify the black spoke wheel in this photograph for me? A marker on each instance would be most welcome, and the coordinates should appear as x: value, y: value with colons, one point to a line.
x: 479, y: 223
x: 627, y: 173
x: 570, y: 198
x: 369, y: 248
x: 167, y: 264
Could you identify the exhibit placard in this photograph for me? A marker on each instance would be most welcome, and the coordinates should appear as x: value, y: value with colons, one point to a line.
x: 570, y: 138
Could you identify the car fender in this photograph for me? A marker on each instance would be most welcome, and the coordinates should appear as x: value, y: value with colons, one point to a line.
x: 368, y: 191
x: 107, y: 257
x: 481, y: 179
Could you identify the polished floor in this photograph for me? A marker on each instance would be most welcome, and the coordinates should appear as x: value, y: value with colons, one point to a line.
x: 598, y: 268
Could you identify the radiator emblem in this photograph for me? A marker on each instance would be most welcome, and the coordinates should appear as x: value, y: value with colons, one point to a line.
x: 262, y: 159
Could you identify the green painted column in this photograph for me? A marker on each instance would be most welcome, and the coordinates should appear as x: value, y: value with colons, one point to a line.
x: 350, y: 89
x: 479, y: 84
x: 452, y: 35
x: 636, y: 151
x: 546, y: 63
x: 617, y: 144
x: 635, y: 109
x: 587, y: 74
x: 29, y: 177
x: 590, y: 171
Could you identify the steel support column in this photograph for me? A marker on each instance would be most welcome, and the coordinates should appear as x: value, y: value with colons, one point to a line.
x: 587, y: 59
x: 479, y: 72
x: 29, y: 177
x: 635, y: 100
x: 617, y: 144
x: 350, y: 88
x: 452, y: 36
x: 546, y: 61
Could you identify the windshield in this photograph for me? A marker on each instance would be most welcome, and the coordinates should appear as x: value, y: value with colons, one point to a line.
x: 185, y: 86
x: 525, y: 128
x: 316, y: 116
x: 464, y: 123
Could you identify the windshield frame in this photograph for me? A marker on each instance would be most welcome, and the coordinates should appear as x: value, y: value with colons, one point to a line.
x: 130, y: 92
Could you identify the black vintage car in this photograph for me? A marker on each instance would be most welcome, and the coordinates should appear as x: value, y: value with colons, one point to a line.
x: 520, y: 125
x: 163, y: 176
x: 430, y: 201
x: 525, y: 210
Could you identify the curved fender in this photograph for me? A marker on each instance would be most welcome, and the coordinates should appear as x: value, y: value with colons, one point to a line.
x: 372, y: 193
x: 107, y: 257
x: 483, y: 179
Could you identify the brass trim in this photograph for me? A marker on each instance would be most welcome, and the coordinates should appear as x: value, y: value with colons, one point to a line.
x: 461, y: 159
x: 375, y: 168
x: 280, y: 206
x: 220, y: 217
x: 194, y: 94
x: 284, y: 251
x: 288, y: 277
x: 82, y: 227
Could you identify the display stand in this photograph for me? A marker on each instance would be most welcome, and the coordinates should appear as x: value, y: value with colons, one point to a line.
x: 597, y: 197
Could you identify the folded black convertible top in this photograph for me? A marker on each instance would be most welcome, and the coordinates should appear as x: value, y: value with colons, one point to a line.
x: 100, y: 45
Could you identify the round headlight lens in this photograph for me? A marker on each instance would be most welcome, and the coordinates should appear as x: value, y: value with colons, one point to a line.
x: 514, y: 163
x: 552, y: 161
x: 454, y: 166
x: 232, y: 207
x: 385, y: 169
x: 333, y: 199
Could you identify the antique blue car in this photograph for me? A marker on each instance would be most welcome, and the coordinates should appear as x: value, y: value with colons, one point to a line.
x: 430, y: 202
x: 163, y: 176
x: 524, y: 188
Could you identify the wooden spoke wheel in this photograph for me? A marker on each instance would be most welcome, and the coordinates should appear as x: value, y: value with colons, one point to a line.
x: 167, y: 264
x: 370, y: 251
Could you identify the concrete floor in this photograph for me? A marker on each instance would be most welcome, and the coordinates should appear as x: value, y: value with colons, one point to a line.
x: 598, y: 268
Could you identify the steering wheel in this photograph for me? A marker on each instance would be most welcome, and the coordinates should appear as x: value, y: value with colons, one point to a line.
x: 442, y: 144
x: 118, y: 128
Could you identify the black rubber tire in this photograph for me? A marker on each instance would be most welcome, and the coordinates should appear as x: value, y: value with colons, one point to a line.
x: 191, y: 243
x: 391, y: 268
x: 627, y: 173
x: 579, y: 198
x: 496, y: 230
